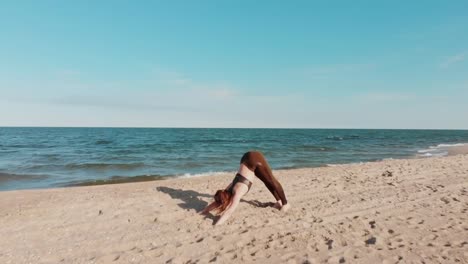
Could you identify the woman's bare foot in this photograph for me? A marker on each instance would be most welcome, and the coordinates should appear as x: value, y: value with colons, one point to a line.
x: 285, y: 207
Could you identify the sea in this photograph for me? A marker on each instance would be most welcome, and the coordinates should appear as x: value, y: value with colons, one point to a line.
x: 41, y: 157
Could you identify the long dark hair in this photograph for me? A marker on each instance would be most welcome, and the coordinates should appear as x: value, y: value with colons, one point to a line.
x: 222, y: 198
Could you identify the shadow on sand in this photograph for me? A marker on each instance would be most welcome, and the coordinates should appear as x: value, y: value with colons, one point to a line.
x: 190, y: 199
x: 257, y: 203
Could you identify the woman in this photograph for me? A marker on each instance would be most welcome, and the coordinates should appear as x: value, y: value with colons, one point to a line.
x: 252, y: 164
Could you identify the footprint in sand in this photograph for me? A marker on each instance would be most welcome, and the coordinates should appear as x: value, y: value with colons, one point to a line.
x: 446, y: 200
x: 371, y: 241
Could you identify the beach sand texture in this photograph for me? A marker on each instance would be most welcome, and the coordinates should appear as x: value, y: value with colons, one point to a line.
x: 393, y: 211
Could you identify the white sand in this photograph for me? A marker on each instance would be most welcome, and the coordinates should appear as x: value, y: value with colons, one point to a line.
x: 418, y: 213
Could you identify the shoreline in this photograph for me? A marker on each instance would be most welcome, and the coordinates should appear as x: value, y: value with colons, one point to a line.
x: 88, y: 157
x: 407, y: 209
x: 451, y: 151
x: 463, y: 150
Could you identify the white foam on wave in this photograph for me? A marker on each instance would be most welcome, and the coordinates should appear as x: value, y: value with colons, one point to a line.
x: 451, y: 145
x: 441, y: 154
x: 341, y: 164
x: 203, y: 174
x: 440, y: 150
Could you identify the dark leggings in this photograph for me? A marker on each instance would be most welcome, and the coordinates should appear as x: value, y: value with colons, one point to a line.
x: 256, y: 162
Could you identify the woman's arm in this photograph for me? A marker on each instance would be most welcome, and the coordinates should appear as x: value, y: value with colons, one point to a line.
x: 230, y: 209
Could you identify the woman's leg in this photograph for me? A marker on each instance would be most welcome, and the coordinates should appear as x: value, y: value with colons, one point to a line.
x: 266, y: 176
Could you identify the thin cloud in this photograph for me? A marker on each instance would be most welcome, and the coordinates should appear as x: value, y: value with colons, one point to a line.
x: 457, y: 58
x: 184, y: 84
x: 136, y: 103
x: 332, y: 70
x: 381, y: 97
x: 156, y: 90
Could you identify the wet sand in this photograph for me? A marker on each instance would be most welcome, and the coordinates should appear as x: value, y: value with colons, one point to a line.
x: 457, y: 150
x: 393, y: 211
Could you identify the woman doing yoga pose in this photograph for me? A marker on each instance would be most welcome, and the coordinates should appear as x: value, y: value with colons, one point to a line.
x: 252, y: 164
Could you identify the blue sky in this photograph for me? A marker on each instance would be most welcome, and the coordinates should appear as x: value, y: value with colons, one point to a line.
x: 307, y: 64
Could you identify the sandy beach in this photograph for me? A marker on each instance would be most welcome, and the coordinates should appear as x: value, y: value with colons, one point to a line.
x: 393, y: 211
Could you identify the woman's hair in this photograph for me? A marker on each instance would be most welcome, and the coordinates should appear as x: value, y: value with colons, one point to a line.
x: 222, y: 198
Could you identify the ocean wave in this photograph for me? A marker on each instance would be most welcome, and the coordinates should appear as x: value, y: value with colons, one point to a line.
x: 289, y: 167
x: 450, y: 145
x: 4, y: 177
x: 440, y: 150
x: 211, y: 173
x: 316, y: 148
x: 213, y: 140
x: 191, y: 165
x: 8, y: 151
x: 103, y: 142
x: 117, y: 180
x: 339, y: 138
x: 28, y: 146
x: 125, y: 151
x: 335, y: 138
x: 440, y: 154
x: 83, y: 166
x: 348, y: 163
x: 104, y: 166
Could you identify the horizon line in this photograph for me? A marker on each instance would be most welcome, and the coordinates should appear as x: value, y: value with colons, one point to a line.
x: 181, y: 127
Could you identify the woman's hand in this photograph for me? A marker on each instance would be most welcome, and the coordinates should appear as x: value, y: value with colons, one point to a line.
x: 210, y: 207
